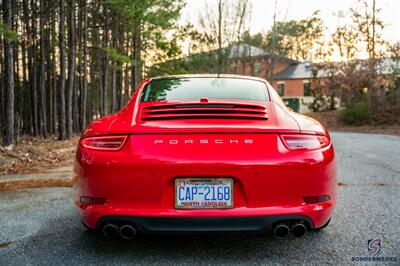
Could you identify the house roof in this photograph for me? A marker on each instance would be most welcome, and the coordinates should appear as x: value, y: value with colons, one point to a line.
x: 304, y: 70
x: 295, y: 71
x: 242, y: 50
x: 245, y: 50
x: 387, y: 65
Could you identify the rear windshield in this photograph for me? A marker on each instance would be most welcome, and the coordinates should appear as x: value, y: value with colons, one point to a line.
x: 211, y: 88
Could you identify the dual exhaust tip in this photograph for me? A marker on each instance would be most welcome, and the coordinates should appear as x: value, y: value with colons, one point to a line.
x: 125, y: 231
x: 282, y: 230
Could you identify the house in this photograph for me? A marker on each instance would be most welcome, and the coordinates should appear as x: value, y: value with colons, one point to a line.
x: 293, y: 81
x: 290, y: 78
x: 245, y: 59
x: 294, y: 85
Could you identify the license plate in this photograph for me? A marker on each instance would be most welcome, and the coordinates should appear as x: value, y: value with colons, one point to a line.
x: 203, y: 193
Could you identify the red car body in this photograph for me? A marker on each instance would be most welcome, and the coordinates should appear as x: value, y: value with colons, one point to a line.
x: 127, y: 164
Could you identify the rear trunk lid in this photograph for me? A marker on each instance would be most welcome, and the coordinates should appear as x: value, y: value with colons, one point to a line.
x: 204, y: 116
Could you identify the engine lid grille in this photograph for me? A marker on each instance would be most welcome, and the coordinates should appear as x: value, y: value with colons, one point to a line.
x: 204, y: 111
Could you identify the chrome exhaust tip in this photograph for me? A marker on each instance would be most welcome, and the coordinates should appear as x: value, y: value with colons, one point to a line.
x: 299, y: 229
x: 110, y: 230
x: 127, y: 232
x: 281, y: 231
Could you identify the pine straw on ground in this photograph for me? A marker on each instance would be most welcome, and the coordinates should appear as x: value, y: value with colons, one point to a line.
x: 330, y: 121
x: 34, y: 155
x: 34, y: 183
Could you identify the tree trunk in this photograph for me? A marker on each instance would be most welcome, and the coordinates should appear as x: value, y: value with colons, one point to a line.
x: 8, y: 135
x: 84, y: 83
x: 127, y: 86
x: 137, y: 48
x: 219, y: 67
x: 105, y: 65
x: 43, y: 109
x: 53, y: 75
x: 113, y: 73
x: 29, y: 24
x: 18, y: 89
x: 113, y: 87
x: 61, y: 93
x: 49, y: 84
x: 2, y: 113
x: 26, y: 118
x: 75, y: 110
x: 71, y: 66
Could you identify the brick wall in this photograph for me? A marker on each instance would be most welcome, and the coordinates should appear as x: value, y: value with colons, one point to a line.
x: 293, y: 87
x: 248, y: 66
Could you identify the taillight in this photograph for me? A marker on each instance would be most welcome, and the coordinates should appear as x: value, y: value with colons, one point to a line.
x: 304, y: 142
x: 106, y: 143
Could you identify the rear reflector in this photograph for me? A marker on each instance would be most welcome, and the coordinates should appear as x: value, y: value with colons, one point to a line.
x: 92, y: 200
x: 106, y: 143
x: 316, y: 199
x: 304, y: 142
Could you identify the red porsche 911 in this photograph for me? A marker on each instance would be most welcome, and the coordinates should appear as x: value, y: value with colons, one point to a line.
x: 205, y: 154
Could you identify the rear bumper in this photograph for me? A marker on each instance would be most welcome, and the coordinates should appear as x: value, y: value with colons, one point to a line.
x: 227, y: 220
x: 149, y: 225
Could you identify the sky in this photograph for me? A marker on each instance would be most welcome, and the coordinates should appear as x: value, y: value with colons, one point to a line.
x: 262, y: 12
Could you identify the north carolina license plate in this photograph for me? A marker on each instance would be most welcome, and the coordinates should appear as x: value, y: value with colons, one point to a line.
x: 203, y: 193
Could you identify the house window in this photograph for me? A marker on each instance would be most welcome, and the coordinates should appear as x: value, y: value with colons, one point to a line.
x: 257, y: 68
x: 281, y: 88
x: 307, y: 88
x: 233, y: 68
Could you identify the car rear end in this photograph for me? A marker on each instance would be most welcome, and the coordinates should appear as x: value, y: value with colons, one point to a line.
x: 203, y: 164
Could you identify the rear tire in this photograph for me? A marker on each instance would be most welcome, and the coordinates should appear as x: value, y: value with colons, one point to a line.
x: 324, y: 226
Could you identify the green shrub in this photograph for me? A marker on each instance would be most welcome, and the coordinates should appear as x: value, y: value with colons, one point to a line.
x: 357, y: 114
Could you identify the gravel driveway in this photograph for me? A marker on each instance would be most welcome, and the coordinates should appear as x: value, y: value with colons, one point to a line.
x: 40, y: 226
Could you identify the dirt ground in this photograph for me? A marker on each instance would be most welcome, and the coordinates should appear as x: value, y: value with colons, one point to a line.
x: 33, y: 155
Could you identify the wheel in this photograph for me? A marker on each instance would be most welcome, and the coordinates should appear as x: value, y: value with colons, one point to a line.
x: 325, y: 225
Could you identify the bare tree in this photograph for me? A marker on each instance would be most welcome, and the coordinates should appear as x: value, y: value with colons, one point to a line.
x: 222, y: 26
x: 369, y: 27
